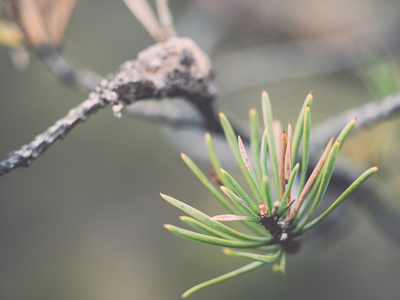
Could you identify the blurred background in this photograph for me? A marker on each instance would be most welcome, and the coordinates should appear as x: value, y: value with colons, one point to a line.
x: 85, y: 221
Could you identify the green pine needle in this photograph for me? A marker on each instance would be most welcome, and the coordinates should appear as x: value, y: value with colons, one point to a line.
x: 257, y: 257
x: 298, y: 130
x: 250, y: 267
x: 342, y: 197
x: 306, y: 147
x: 207, y: 239
x: 269, y: 126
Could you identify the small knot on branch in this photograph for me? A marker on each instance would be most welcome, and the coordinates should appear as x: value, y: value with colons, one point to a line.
x: 175, y: 68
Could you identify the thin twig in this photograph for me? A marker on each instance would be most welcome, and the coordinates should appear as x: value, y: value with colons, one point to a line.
x: 367, y: 115
x: 29, y: 152
x: 82, y: 79
x: 176, y: 68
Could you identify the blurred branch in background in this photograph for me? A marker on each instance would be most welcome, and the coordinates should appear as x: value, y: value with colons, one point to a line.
x: 279, y: 61
x: 80, y: 78
x: 367, y: 115
x: 308, y: 40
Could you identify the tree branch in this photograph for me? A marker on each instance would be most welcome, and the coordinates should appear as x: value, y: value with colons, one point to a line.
x: 29, y: 152
x: 306, y: 57
x: 176, y: 68
x: 367, y: 115
x: 82, y: 79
